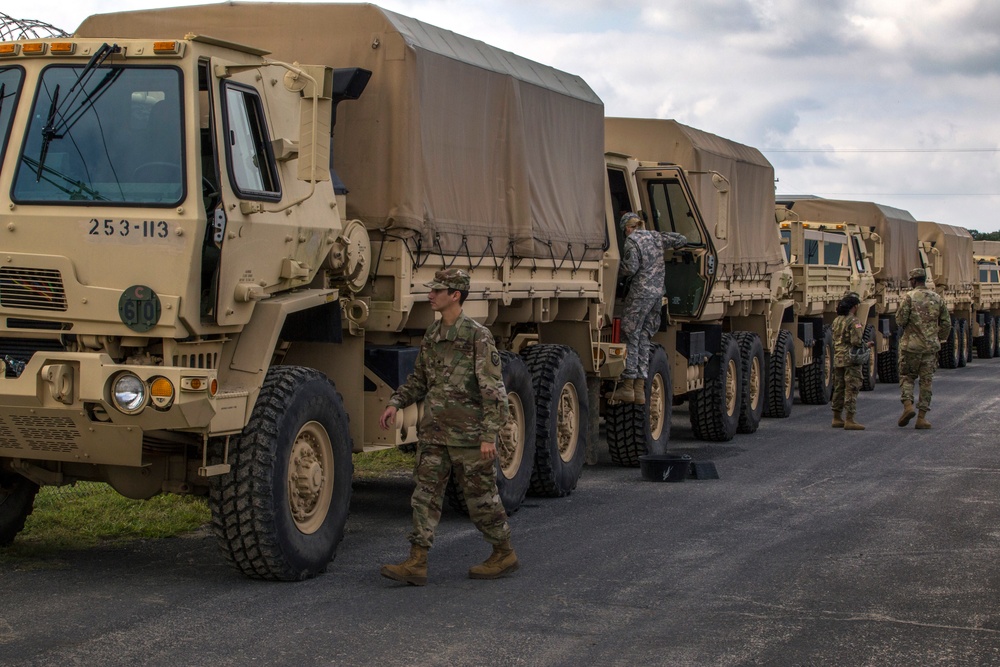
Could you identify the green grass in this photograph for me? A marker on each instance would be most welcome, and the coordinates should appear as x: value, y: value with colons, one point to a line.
x: 91, y: 513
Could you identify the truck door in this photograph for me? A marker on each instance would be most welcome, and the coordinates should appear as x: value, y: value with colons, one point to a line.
x: 669, y: 205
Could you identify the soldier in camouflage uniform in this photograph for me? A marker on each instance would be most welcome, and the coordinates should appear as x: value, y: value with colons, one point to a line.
x: 923, y: 317
x: 848, y: 332
x: 457, y: 374
x: 642, y: 261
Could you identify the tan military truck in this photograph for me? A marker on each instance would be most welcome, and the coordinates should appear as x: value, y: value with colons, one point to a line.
x: 947, y: 253
x: 726, y: 347
x: 891, y: 244
x: 986, y: 255
x: 202, y: 292
x: 828, y: 260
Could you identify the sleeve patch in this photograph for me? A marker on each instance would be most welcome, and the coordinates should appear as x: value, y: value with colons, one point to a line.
x: 495, y: 358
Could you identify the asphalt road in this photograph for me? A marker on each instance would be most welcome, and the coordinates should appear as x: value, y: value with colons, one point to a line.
x: 815, y: 547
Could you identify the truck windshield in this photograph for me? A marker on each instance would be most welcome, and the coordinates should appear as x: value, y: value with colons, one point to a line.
x: 10, y: 87
x: 110, y: 136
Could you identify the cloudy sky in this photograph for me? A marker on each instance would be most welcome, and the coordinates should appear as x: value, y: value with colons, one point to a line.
x: 894, y: 101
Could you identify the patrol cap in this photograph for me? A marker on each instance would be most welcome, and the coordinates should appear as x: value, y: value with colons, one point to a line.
x: 628, y: 217
x: 450, y: 279
x: 918, y: 273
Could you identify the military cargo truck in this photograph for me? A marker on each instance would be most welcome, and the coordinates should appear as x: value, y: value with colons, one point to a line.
x: 203, y: 292
x: 947, y: 253
x: 828, y: 260
x: 726, y: 344
x: 891, y: 244
x: 986, y: 255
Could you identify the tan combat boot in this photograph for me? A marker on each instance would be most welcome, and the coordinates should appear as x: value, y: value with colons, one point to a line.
x: 624, y: 393
x: 908, y: 413
x: 838, y: 419
x: 411, y: 571
x: 922, y: 420
x: 851, y: 425
x: 639, y: 389
x: 502, y: 561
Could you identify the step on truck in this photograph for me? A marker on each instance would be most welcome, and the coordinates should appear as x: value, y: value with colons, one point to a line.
x: 216, y: 244
x: 986, y: 256
x: 731, y: 342
x: 891, y: 243
x: 828, y: 260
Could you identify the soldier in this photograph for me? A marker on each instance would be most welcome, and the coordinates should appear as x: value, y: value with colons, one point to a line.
x: 457, y: 374
x: 642, y: 261
x: 924, y: 319
x: 848, y: 332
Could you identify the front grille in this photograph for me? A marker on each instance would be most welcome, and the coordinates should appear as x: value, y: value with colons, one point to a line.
x: 45, y: 434
x: 34, y: 289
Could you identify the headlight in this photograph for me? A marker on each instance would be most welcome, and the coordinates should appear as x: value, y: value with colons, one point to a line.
x: 128, y: 393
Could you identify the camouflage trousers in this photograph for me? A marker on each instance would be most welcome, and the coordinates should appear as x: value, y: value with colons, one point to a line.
x: 846, y: 385
x: 639, y: 322
x: 475, y: 476
x: 916, y: 367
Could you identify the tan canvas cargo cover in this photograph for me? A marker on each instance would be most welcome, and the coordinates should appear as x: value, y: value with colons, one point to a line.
x: 986, y: 248
x: 452, y: 139
x: 896, y: 227
x: 753, y: 234
x: 956, y: 247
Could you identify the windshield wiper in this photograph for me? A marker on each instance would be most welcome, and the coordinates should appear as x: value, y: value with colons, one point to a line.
x: 49, y: 130
x: 81, y: 187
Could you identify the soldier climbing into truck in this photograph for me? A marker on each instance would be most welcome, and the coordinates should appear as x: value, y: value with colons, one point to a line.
x: 642, y: 267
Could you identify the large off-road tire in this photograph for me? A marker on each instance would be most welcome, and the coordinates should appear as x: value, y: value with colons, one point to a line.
x: 17, y: 498
x: 869, y: 374
x: 279, y: 514
x: 516, y: 449
x: 996, y: 336
x: 562, y: 410
x: 987, y: 342
x: 816, y: 381
x: 888, y: 363
x: 781, y: 377
x: 967, y: 342
x: 948, y: 356
x: 715, y: 409
x: 753, y: 385
x: 633, y: 430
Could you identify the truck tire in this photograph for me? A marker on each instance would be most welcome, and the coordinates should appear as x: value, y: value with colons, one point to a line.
x: 781, y: 377
x: 633, y: 430
x: 561, y: 417
x: 753, y: 385
x: 715, y: 409
x: 967, y: 342
x: 17, y: 499
x: 888, y: 363
x: 948, y: 356
x: 279, y: 514
x: 869, y: 370
x: 816, y: 383
x: 516, y: 455
x: 996, y: 336
x: 986, y: 343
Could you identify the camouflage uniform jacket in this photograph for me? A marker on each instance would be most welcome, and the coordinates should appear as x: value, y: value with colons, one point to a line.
x: 848, y: 332
x: 643, y: 261
x: 458, y: 376
x: 925, y: 321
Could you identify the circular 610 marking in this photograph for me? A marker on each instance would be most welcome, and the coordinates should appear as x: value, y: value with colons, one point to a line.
x: 139, y: 308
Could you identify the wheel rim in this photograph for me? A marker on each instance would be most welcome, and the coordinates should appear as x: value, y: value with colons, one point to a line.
x: 789, y: 366
x: 512, y: 437
x: 310, y: 477
x: 568, y: 422
x: 732, y: 391
x: 657, y: 406
x: 754, y: 384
